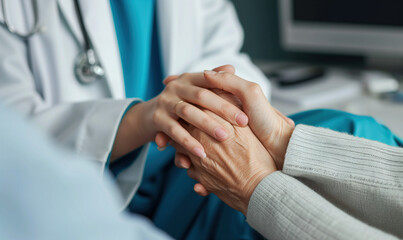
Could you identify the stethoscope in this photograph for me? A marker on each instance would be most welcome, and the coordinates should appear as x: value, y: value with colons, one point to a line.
x: 87, y: 67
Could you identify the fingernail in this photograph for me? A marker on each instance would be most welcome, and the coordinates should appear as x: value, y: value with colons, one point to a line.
x: 220, y: 134
x: 241, y: 119
x: 291, y: 122
x: 199, y: 152
x: 208, y: 72
x: 186, y: 165
x: 196, y: 188
x: 161, y: 148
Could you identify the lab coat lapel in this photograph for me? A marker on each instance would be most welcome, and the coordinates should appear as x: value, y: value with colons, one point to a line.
x: 67, y: 9
x: 98, y: 19
x: 180, y: 24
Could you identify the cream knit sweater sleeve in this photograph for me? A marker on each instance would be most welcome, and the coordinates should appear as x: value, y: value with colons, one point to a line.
x: 333, y: 186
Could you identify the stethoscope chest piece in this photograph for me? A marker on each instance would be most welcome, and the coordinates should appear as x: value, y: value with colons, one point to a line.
x: 87, y: 68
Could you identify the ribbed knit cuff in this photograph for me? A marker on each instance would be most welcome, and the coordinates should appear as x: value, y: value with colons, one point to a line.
x: 320, y: 151
x: 281, y: 207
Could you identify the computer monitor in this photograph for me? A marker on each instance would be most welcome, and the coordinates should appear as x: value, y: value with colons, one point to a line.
x: 364, y: 27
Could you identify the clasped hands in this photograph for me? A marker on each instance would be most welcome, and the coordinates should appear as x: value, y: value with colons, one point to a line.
x: 232, y: 168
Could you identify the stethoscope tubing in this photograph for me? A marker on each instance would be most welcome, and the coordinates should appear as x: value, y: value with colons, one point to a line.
x: 87, y: 40
x: 10, y: 27
x: 87, y: 65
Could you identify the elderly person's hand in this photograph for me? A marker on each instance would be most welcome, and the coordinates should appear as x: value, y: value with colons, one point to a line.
x: 271, y: 127
x: 232, y: 168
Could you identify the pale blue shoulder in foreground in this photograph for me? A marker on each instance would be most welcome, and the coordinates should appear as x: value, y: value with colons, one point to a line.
x: 47, y: 193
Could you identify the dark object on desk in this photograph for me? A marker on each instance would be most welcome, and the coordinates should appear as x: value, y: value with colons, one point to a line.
x: 396, y: 97
x: 293, y: 75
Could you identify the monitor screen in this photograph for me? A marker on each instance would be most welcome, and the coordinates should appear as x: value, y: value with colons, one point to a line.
x: 358, y: 12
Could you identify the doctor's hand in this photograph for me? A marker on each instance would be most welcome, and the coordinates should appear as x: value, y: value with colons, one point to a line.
x: 183, y: 99
x: 233, y: 168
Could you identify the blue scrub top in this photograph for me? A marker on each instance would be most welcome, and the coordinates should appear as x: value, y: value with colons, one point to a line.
x: 135, y: 24
x: 137, y: 33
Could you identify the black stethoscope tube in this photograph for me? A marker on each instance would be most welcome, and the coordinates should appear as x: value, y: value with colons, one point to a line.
x: 87, y: 41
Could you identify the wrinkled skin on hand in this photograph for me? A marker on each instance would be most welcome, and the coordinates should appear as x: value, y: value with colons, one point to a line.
x: 233, y: 168
x: 272, y: 128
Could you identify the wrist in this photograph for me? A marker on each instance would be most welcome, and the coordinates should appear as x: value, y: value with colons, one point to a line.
x: 283, y: 145
x: 252, y: 184
x: 141, y: 119
x: 277, y: 143
x: 132, y: 132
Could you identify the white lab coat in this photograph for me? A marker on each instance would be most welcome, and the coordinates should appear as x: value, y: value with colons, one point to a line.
x: 36, y: 76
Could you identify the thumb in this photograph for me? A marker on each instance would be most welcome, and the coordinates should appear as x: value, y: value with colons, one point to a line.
x: 225, y: 68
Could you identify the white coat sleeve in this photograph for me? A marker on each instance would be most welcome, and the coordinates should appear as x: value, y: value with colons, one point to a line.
x: 50, y: 193
x: 87, y: 128
x: 222, y: 43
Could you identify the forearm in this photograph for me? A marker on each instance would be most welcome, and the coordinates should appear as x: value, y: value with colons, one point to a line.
x: 314, y: 150
x: 283, y: 208
x: 362, y: 177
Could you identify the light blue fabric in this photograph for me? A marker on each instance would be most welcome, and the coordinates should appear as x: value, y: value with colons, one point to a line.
x: 49, y: 193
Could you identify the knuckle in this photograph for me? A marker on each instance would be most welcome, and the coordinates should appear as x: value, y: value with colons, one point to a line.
x: 205, y: 163
x: 186, y: 110
x: 210, y: 80
x: 156, y: 117
x: 171, y: 77
x: 216, y: 81
x: 205, y: 122
x: 186, y: 141
x: 227, y: 76
x: 185, y: 75
x: 162, y: 100
x: 172, y: 86
x: 201, y: 94
x: 226, y: 109
x: 174, y: 130
x: 254, y: 88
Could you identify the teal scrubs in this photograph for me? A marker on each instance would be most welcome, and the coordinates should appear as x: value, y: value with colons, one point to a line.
x: 166, y: 194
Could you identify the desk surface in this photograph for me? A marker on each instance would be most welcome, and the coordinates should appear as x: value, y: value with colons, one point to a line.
x: 386, y: 112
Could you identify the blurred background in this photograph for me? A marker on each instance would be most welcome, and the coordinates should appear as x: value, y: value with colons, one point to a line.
x: 340, y: 54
